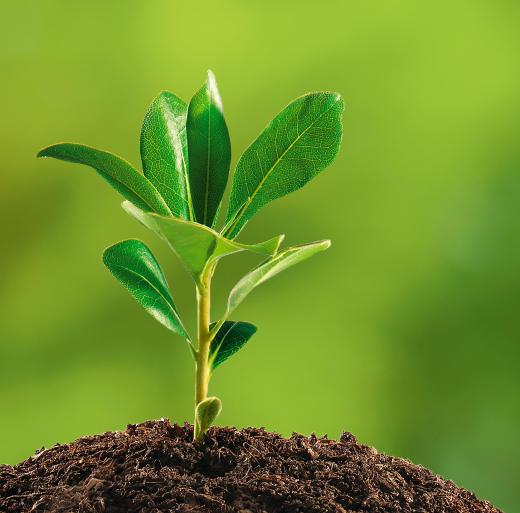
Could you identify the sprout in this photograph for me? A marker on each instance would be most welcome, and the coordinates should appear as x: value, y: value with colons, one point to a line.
x: 186, y: 154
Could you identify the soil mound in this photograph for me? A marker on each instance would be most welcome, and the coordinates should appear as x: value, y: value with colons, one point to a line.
x: 156, y: 468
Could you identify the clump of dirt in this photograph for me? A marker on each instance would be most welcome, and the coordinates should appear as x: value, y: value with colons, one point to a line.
x: 156, y: 468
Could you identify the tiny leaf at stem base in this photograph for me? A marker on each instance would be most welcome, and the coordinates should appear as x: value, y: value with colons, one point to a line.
x: 205, y: 414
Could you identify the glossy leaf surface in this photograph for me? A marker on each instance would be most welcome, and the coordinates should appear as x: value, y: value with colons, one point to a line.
x: 134, y: 266
x: 117, y: 172
x: 205, y: 414
x: 209, y: 151
x: 283, y: 260
x: 231, y: 337
x: 194, y: 243
x: 299, y: 143
x: 164, y: 152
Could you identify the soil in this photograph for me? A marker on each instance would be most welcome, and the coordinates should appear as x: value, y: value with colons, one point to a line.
x: 156, y: 468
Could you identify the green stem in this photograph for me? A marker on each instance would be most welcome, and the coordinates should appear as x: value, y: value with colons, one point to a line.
x: 203, y: 372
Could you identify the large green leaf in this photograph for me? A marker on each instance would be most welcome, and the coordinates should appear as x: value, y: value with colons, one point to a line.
x: 164, y: 152
x: 231, y: 337
x: 283, y: 260
x: 194, y: 243
x: 134, y: 266
x: 209, y: 151
x: 299, y: 143
x: 116, y: 171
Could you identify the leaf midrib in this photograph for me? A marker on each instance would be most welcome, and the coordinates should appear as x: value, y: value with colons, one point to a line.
x: 250, y: 198
x: 208, y: 162
x: 191, y: 215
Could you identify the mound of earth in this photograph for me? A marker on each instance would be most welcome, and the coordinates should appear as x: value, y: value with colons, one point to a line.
x: 155, y: 467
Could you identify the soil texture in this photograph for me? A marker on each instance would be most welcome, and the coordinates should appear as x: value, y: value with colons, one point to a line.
x: 156, y: 468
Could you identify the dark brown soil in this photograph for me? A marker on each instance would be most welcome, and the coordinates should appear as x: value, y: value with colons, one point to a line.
x: 155, y: 468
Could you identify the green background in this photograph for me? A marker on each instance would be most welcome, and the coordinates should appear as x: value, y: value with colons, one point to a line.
x: 406, y: 332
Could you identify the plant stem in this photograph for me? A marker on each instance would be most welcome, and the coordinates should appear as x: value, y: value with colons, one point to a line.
x: 203, y: 371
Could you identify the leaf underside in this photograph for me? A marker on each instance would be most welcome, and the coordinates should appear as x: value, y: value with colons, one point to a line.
x: 194, y: 243
x: 230, y: 338
x: 283, y: 260
x: 135, y: 267
x: 301, y: 141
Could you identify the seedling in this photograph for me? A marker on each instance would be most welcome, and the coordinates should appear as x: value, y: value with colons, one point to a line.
x: 186, y: 154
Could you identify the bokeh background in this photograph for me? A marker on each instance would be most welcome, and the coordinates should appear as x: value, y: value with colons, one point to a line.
x: 406, y: 333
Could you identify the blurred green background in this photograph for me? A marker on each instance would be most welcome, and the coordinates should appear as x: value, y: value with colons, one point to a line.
x: 405, y: 333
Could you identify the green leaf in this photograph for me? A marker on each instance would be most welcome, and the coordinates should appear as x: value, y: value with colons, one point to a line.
x: 134, y: 266
x: 283, y: 260
x: 209, y: 151
x: 116, y: 171
x: 205, y: 414
x: 300, y: 142
x: 194, y: 243
x: 231, y: 337
x: 164, y: 152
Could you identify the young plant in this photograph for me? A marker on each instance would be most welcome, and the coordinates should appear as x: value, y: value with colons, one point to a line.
x: 186, y: 154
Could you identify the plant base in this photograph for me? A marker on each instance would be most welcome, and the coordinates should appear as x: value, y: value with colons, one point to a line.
x: 155, y: 468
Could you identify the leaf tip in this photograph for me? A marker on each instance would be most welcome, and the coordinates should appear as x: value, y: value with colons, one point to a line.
x: 46, y: 152
x: 340, y: 100
x: 164, y: 97
x: 106, y: 254
x: 127, y: 206
x: 326, y: 244
x: 212, y: 90
x: 118, y: 246
x: 279, y: 241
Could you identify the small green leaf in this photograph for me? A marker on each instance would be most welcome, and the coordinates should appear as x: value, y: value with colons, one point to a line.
x: 283, y: 260
x: 164, y: 152
x: 231, y: 337
x: 209, y: 151
x: 194, y: 243
x: 300, y: 142
x: 116, y: 171
x: 205, y: 414
x: 134, y: 266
